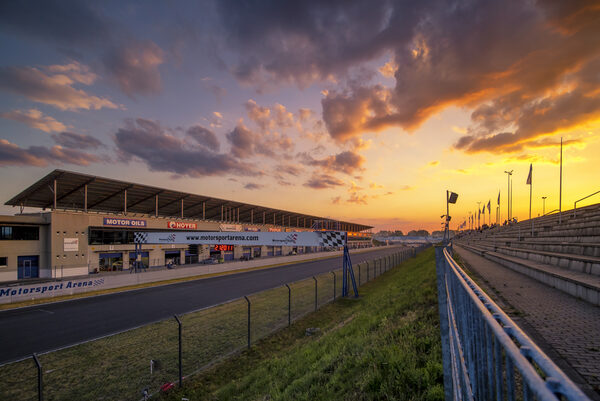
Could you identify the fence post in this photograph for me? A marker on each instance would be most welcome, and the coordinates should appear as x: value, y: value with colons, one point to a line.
x: 40, y: 381
x: 248, y: 301
x: 359, y: 282
x: 440, y: 263
x: 180, y: 352
x: 316, y: 301
x: 289, y: 305
x: 334, y: 284
x: 368, y: 272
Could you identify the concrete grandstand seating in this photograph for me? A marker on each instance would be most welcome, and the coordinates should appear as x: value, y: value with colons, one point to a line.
x: 565, y: 255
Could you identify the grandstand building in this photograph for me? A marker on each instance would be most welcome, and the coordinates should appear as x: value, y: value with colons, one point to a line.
x: 86, y: 225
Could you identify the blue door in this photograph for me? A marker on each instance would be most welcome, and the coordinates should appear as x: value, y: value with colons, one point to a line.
x: 28, y: 266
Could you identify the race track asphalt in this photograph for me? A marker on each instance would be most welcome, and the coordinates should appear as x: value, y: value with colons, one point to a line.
x: 47, y: 327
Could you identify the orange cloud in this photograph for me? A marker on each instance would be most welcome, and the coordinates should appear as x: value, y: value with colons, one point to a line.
x: 55, y: 90
x: 35, y: 119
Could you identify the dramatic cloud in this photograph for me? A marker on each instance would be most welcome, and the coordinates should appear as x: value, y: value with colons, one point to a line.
x: 301, y: 42
x: 534, y: 118
x: 40, y: 156
x: 362, y: 109
x: 246, y: 143
x: 204, y: 137
x: 160, y: 150
x: 525, y: 66
x: 76, y: 141
x: 135, y: 67
x: 55, y: 89
x: 35, y: 119
x: 346, y: 162
x: 323, y: 181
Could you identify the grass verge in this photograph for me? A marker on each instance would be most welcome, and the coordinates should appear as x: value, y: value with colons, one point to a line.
x: 384, y: 346
x: 117, y: 367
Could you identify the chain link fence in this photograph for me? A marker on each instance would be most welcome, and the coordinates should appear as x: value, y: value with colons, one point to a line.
x: 141, y: 361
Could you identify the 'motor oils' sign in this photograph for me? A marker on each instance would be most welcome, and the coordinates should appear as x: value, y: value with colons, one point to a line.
x: 113, y: 221
x: 182, y: 225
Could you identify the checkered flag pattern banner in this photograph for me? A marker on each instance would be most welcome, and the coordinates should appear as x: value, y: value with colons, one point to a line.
x: 140, y: 237
x: 332, y: 238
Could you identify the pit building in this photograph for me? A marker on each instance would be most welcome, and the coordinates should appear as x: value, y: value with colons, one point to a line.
x: 86, y: 225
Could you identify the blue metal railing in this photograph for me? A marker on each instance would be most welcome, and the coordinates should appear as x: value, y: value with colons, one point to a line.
x: 486, y: 356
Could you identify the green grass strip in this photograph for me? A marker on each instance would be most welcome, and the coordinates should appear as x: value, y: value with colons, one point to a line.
x: 383, y: 346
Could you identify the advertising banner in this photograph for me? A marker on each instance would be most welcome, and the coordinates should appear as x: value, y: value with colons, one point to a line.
x: 182, y: 225
x: 230, y: 227
x: 305, y: 238
x: 112, y: 221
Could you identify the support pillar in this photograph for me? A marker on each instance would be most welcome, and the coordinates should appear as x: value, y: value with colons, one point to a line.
x: 54, y: 190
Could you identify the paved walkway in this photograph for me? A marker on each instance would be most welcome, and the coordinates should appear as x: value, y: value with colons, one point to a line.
x: 566, y: 328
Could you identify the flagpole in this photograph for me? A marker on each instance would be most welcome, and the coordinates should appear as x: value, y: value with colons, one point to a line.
x: 560, y: 187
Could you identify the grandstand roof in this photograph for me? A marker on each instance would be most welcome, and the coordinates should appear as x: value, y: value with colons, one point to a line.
x: 108, y: 195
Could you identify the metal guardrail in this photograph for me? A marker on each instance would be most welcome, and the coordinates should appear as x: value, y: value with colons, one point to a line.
x: 486, y: 356
x: 579, y: 200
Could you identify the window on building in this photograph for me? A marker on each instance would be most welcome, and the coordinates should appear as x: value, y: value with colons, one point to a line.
x: 3, y: 261
x: 110, y: 237
x: 19, y: 233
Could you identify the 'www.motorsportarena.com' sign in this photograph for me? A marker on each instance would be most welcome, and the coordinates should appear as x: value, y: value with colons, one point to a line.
x: 304, y: 238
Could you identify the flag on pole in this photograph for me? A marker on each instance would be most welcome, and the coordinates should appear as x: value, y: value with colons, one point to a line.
x: 498, y: 197
x: 489, y: 206
x: 529, y: 176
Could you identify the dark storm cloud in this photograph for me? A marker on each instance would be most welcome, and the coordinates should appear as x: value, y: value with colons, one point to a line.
x: 67, y: 22
x: 204, y: 137
x: 76, y: 141
x: 41, y: 156
x: 305, y: 41
x: 150, y: 143
x: 510, y: 56
x: 323, y: 181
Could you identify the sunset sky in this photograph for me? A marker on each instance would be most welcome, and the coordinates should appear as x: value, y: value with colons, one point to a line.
x: 364, y: 111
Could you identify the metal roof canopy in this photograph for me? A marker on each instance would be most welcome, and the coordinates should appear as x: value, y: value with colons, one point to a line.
x: 114, y: 196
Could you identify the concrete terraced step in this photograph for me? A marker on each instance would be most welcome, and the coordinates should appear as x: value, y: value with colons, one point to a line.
x: 576, y: 248
x: 572, y: 262
x: 580, y: 285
